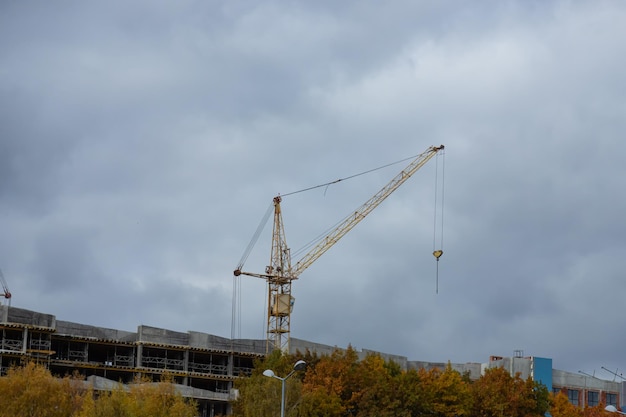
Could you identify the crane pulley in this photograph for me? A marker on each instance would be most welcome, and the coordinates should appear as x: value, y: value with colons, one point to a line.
x: 280, y: 273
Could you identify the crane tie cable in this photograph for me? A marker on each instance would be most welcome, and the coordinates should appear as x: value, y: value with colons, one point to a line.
x: 349, y: 177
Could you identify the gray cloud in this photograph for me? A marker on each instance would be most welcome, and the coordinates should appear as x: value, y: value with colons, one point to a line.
x: 142, y: 143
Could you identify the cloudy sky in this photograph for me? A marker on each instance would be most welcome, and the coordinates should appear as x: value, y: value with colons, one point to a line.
x: 142, y: 142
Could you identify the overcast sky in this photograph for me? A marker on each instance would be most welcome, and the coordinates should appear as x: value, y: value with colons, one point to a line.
x: 142, y: 142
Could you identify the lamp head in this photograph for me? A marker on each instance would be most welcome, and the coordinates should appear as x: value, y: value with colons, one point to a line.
x: 269, y: 372
x: 299, y: 366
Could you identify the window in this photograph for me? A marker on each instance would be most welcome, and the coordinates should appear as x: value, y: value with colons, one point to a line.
x: 593, y: 398
x: 611, y: 399
x: 572, y: 396
x: 556, y: 390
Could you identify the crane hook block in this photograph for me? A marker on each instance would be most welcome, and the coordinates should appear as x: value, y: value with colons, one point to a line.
x: 437, y: 254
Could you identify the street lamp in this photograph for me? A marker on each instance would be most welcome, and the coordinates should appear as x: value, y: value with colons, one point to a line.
x: 612, y: 409
x: 298, y: 366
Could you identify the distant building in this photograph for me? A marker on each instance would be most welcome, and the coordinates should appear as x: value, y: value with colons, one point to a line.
x: 204, y: 366
x: 581, y: 390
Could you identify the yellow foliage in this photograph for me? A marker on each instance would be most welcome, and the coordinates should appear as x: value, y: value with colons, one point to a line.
x: 31, y: 391
x: 561, y: 407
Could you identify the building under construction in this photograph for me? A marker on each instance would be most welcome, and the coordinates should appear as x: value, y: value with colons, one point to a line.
x: 205, y: 366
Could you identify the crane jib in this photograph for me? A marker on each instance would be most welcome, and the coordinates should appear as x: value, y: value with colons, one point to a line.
x: 359, y: 214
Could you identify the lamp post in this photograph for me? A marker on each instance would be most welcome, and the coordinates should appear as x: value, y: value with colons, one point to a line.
x: 612, y: 409
x: 298, y: 366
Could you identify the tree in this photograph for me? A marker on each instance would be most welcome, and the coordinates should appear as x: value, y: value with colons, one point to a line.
x: 374, y: 393
x: 342, y: 384
x: 561, y: 407
x: 318, y: 402
x: 148, y: 399
x: 115, y: 403
x: 451, y: 395
x: 409, y: 397
x: 333, y: 379
x: 260, y: 396
x: 497, y: 393
x: 143, y: 398
x: 31, y: 391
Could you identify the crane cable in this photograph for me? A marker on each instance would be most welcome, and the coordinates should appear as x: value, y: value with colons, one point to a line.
x: 266, y: 217
x: 323, y: 234
x: 255, y: 237
x: 236, y: 304
x: 438, y: 252
x: 350, y: 176
x: 235, y: 324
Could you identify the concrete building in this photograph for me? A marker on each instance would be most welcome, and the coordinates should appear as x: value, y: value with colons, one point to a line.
x: 581, y: 390
x: 204, y: 366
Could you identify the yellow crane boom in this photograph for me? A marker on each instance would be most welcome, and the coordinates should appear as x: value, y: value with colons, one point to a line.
x: 280, y: 274
x: 360, y: 213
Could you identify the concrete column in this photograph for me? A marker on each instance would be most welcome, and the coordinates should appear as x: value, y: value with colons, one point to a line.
x: 231, y: 364
x: 139, y: 355
x: 186, y: 367
x: 25, y: 340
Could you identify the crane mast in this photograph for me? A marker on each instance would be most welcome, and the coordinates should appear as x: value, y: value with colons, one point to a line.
x: 279, y: 274
x: 280, y: 301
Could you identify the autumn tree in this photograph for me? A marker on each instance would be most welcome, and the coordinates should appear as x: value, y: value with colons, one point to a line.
x: 595, y: 411
x: 260, y: 396
x: 148, y: 399
x: 449, y: 394
x: 31, y: 391
x: 497, y: 393
x: 143, y: 398
x: 561, y: 407
x: 372, y: 388
x: 343, y: 384
x: 114, y: 403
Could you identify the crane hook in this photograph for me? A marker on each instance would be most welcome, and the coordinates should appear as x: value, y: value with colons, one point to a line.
x: 437, y: 254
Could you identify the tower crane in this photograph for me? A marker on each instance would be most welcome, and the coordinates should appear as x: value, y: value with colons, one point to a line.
x: 5, y: 289
x: 280, y: 274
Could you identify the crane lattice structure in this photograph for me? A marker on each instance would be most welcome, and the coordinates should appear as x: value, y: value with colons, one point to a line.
x: 280, y: 274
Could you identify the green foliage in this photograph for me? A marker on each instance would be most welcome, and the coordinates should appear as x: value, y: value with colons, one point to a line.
x: 451, y: 394
x: 260, y: 396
